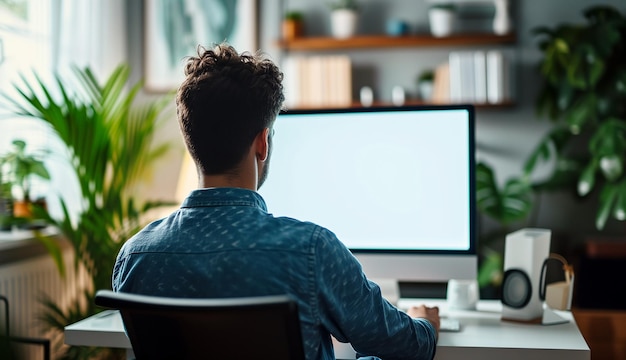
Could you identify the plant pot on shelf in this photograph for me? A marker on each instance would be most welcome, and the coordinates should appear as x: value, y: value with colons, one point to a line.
x: 28, y: 214
x: 293, y: 25
x: 442, y: 19
x: 292, y: 29
x: 426, y: 90
x: 425, y: 85
x: 343, y: 23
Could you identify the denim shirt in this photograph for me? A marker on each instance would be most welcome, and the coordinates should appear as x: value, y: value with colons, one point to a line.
x: 222, y: 242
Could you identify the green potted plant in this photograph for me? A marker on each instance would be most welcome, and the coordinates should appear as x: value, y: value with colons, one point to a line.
x: 425, y: 84
x: 344, y: 18
x: 110, y: 141
x: 293, y: 25
x: 583, y: 91
x: 508, y: 206
x: 19, y: 168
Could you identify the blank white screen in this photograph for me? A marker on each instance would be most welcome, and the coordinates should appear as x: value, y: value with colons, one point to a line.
x: 390, y: 180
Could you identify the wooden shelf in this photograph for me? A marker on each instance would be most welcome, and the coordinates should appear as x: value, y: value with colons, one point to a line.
x: 381, y: 41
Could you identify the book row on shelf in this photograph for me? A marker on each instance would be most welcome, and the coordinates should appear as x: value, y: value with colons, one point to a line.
x: 477, y: 77
x: 318, y: 81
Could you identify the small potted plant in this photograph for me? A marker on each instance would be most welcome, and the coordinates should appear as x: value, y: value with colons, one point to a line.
x: 344, y: 18
x: 18, y: 169
x: 442, y: 17
x: 293, y: 25
x: 425, y: 83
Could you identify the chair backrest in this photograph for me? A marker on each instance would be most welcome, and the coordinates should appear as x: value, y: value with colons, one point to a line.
x: 264, y: 327
x: 8, y: 342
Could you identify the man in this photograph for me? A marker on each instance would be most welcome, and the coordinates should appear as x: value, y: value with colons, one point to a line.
x: 223, y: 243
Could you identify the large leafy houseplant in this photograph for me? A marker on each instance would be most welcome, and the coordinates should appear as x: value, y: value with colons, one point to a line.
x: 583, y: 91
x: 110, y: 144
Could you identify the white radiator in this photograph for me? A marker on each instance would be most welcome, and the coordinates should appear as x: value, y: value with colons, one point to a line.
x: 23, y: 283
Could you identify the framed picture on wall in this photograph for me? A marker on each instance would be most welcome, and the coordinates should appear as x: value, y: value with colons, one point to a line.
x: 173, y: 30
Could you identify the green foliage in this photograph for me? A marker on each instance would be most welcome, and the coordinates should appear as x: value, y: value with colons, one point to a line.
x: 110, y: 142
x: 18, y: 167
x: 343, y: 4
x: 294, y: 15
x: 443, y: 6
x: 508, y: 204
x: 584, y: 92
x: 426, y: 75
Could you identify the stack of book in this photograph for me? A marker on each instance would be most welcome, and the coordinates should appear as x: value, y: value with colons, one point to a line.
x: 475, y: 77
x: 317, y: 81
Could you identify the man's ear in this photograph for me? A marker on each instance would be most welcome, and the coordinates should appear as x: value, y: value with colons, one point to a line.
x: 261, y: 144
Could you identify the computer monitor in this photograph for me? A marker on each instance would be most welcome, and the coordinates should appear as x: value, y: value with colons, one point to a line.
x: 395, y: 184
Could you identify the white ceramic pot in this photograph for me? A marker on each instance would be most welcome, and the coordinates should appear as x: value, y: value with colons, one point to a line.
x: 441, y: 22
x: 426, y: 90
x: 343, y: 23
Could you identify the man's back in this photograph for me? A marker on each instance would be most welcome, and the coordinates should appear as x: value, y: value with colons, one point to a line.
x: 223, y: 243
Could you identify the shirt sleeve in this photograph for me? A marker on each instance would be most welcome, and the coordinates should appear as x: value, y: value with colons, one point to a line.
x: 353, y: 309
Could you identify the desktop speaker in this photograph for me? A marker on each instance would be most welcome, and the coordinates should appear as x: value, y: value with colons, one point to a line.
x: 525, y: 252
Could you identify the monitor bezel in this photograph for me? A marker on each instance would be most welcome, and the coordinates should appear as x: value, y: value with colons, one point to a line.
x: 472, y: 250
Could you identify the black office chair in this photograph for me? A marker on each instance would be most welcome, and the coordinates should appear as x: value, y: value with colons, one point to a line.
x: 8, y: 343
x: 232, y: 328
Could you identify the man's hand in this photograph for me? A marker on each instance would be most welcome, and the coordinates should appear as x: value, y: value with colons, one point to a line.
x: 429, y: 313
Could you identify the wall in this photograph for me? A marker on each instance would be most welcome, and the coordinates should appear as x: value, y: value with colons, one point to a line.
x: 505, y: 137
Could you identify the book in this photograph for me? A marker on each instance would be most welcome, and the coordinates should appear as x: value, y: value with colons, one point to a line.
x: 480, y: 77
x: 497, y: 77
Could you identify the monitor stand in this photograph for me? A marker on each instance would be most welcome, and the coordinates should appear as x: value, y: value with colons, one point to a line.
x: 389, y: 289
x: 552, y: 318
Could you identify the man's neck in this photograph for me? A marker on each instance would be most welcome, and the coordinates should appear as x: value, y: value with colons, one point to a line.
x: 227, y: 180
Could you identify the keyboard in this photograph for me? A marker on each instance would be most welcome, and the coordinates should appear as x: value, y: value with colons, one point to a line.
x: 449, y: 325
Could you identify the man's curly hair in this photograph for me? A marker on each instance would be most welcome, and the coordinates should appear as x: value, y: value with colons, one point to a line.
x: 226, y: 99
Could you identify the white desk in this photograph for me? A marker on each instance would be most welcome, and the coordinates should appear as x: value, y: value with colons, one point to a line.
x: 483, y: 335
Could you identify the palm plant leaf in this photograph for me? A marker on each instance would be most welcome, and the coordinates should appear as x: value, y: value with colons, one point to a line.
x: 110, y: 144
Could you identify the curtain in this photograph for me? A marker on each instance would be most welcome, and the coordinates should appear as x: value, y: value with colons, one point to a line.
x: 90, y: 33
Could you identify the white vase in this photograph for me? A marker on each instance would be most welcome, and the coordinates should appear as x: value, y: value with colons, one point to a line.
x: 343, y: 23
x: 441, y: 22
x: 501, y: 20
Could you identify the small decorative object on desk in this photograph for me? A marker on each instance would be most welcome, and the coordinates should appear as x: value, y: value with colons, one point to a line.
x: 442, y: 18
x: 344, y: 18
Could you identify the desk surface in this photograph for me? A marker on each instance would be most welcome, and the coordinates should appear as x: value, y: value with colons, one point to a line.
x: 483, y: 336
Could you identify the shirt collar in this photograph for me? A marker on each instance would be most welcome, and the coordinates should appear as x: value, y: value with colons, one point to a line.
x: 210, y: 197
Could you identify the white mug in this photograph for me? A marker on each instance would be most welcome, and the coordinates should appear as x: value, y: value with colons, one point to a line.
x: 462, y: 294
